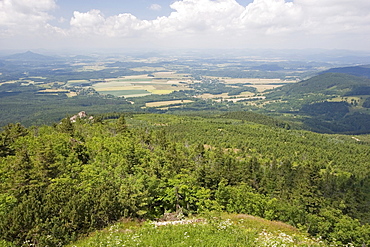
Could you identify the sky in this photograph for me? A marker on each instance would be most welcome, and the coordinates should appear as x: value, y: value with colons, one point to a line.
x: 185, y: 24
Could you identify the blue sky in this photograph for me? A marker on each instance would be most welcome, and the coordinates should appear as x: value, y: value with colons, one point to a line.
x: 151, y: 24
x: 139, y: 8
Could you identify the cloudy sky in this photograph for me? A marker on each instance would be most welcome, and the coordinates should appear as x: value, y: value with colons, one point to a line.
x: 128, y: 24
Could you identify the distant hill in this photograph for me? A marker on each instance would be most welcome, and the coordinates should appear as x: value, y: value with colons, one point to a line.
x: 327, y: 84
x: 29, y: 56
x: 361, y: 71
x: 312, y: 100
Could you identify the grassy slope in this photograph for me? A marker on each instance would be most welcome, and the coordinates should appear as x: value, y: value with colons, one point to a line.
x: 225, y: 230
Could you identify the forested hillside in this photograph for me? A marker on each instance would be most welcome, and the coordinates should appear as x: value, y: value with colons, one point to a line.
x: 326, y: 84
x: 361, y: 71
x: 62, y: 181
x: 326, y: 103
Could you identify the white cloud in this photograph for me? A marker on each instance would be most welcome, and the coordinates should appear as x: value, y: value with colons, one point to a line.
x: 18, y: 16
x: 335, y: 16
x: 155, y: 7
x: 219, y: 22
x: 271, y: 16
x: 268, y: 17
x: 89, y: 22
x: 204, y: 15
x: 94, y: 23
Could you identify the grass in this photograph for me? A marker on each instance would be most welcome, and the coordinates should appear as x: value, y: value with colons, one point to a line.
x: 4, y: 243
x: 224, y: 230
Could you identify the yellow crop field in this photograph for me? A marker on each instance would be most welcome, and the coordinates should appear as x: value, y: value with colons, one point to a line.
x: 160, y: 91
x: 212, y: 96
x: 7, y: 82
x: 164, y: 103
x: 72, y: 94
x: 53, y: 91
x: 161, y: 83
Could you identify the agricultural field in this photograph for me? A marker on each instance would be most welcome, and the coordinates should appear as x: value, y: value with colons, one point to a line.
x: 7, y: 82
x: 53, y: 91
x: 141, y: 85
x: 260, y: 84
x: 77, y: 82
x: 166, y: 103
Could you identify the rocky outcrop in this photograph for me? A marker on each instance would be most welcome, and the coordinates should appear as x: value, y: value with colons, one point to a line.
x: 80, y: 115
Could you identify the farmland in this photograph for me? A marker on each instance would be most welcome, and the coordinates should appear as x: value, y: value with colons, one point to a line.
x: 165, y: 84
x: 140, y: 85
x: 166, y: 103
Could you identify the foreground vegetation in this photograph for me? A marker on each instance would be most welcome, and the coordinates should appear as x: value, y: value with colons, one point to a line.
x: 224, y: 230
x: 63, y: 181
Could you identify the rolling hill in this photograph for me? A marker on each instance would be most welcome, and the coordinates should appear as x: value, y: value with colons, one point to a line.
x: 327, y: 84
x: 361, y: 71
x: 29, y: 56
x: 327, y: 103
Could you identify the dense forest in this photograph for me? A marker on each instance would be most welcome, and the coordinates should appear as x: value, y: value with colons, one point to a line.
x: 326, y: 103
x: 62, y: 181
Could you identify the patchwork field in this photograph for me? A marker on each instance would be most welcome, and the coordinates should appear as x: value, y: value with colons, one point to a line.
x: 260, y: 84
x: 165, y: 82
x: 140, y: 85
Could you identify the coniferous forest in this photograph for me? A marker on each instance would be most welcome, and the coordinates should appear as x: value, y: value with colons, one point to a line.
x: 61, y: 182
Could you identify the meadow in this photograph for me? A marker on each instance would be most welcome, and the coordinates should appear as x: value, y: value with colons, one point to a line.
x: 223, y: 230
